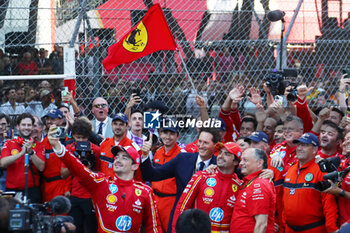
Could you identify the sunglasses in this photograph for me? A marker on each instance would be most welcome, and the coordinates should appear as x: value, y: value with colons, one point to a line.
x: 100, y: 105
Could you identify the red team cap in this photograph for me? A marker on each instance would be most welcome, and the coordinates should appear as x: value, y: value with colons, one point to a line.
x: 129, y: 150
x: 230, y: 147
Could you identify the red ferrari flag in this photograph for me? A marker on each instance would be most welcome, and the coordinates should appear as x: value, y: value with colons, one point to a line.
x: 151, y: 34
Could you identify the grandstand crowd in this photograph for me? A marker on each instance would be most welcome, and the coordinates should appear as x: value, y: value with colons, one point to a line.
x: 258, y: 172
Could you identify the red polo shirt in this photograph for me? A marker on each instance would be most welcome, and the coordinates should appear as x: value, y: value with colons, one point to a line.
x: 15, y: 172
x: 256, y: 196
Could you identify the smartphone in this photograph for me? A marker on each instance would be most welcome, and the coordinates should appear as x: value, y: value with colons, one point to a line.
x: 137, y: 91
x: 347, y: 72
x: 64, y: 91
x: 279, y: 99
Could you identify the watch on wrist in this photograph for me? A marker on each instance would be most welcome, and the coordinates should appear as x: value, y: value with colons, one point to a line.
x: 31, y: 153
x: 342, y: 194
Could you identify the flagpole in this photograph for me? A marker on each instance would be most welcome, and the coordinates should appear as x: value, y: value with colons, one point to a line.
x: 188, y: 74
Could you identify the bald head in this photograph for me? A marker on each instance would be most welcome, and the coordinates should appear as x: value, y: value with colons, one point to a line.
x: 100, y: 108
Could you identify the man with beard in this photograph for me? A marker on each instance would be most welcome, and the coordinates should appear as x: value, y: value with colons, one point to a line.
x: 214, y: 193
x: 102, y: 123
x: 53, y: 184
x: 343, y: 191
x: 331, y: 137
x: 119, y: 128
x: 13, y: 158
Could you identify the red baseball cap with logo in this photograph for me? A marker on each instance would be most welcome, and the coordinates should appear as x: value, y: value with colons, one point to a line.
x: 230, y: 147
x: 129, y: 150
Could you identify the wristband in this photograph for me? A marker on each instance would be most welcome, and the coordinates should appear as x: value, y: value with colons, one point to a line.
x: 342, y: 194
x: 31, y: 153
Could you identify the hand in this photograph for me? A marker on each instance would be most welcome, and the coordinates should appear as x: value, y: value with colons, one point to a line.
x: 55, y: 142
x: 28, y: 145
x: 260, y: 114
x: 344, y: 81
x: 303, y: 90
x: 267, y: 89
x: 135, y: 99
x: 324, y: 113
x: 333, y: 189
x: 146, y: 147
x: 211, y: 169
x: 277, y: 161
x: 200, y: 101
x: 70, y: 118
x: 67, y: 194
x: 255, y: 96
x: 236, y: 93
x: 68, y: 98
x: 266, y: 174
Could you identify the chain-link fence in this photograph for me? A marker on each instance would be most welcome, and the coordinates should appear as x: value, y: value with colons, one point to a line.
x: 223, y: 42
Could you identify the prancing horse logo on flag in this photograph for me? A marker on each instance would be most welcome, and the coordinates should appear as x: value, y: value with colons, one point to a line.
x: 137, y: 40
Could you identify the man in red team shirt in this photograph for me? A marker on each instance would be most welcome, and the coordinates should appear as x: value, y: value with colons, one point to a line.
x: 255, y: 205
x: 82, y: 209
x: 331, y: 136
x: 13, y: 158
x: 121, y: 203
x: 214, y: 193
x: 120, y: 129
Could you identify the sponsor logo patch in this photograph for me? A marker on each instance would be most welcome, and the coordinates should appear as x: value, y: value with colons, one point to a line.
x: 111, y: 199
x: 211, y: 182
x: 209, y: 192
x: 216, y: 214
x: 123, y: 223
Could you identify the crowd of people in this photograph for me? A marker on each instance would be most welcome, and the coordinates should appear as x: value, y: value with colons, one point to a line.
x: 257, y: 171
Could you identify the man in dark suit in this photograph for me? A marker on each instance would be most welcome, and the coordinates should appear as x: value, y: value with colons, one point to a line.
x: 184, y: 165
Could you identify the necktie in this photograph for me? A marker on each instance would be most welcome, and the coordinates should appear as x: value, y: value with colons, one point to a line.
x: 201, y: 166
x: 100, y: 127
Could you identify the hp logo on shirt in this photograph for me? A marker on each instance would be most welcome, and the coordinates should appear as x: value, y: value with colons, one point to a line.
x: 123, y: 223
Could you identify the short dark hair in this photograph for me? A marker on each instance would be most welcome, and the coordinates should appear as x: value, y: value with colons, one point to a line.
x: 135, y: 111
x: 81, y: 127
x: 7, y: 118
x: 24, y: 116
x: 339, y: 130
x: 193, y: 221
x: 213, y: 131
x: 261, y: 155
x: 334, y: 109
x: 250, y: 119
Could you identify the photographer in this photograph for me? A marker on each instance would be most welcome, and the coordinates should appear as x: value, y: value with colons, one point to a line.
x: 343, y: 192
x: 13, y: 158
x: 121, y: 203
x: 82, y: 209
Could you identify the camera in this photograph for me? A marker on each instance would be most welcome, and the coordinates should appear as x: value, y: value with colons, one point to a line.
x: 275, y: 80
x: 293, y: 93
x: 84, y: 153
x: 330, y: 165
x: 38, y: 218
x: 60, y: 132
